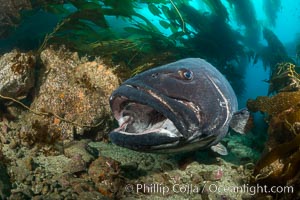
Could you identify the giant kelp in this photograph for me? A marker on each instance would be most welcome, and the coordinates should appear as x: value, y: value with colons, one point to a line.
x: 218, y: 8
x: 298, y: 52
x: 274, y: 52
x: 179, y: 29
x: 282, y: 156
x: 86, y: 28
x: 208, y: 42
x: 280, y: 163
x: 93, y: 13
x: 225, y: 52
x: 179, y: 17
x: 273, y: 42
x: 284, y: 78
x: 246, y: 16
x: 245, y: 12
x: 271, y: 8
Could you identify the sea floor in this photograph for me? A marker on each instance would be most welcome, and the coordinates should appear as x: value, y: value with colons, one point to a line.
x: 85, y: 169
x: 53, y: 139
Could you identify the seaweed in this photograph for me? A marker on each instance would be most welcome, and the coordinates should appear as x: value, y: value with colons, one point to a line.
x: 279, y: 164
x: 245, y: 12
x: 298, y: 53
x: 273, y: 42
x: 224, y: 52
x: 179, y: 30
x: 284, y: 78
x: 219, y: 50
x: 275, y: 104
x: 246, y: 16
x: 288, y: 155
x: 275, y: 52
x: 271, y: 8
x: 84, y: 22
x: 91, y: 14
x: 281, y: 161
x: 217, y: 8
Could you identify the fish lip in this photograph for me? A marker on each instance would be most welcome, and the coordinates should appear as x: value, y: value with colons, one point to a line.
x: 143, y: 142
x: 143, y: 96
x: 160, y: 103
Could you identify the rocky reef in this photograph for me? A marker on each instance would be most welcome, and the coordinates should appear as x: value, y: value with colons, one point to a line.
x: 53, y: 138
x: 73, y: 91
x: 69, y: 97
x: 63, y: 98
x: 17, y: 74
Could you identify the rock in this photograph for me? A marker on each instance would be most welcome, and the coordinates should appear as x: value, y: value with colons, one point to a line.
x: 78, y: 148
x: 10, y: 14
x: 5, y: 185
x: 19, y: 173
x: 19, y: 196
x: 92, y: 195
x: 51, y: 164
x: 72, y: 185
x: 73, y: 89
x: 214, y: 175
x: 80, y: 186
x: 53, y: 196
x: 37, y: 188
x: 103, y: 168
x: 16, y: 74
x: 77, y: 164
x: 29, y: 163
x: 104, y: 172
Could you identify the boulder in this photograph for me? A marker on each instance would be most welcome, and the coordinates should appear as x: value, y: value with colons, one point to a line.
x: 73, y: 95
x: 16, y: 74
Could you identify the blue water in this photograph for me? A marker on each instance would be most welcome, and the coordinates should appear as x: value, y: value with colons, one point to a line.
x: 29, y: 35
x: 255, y: 84
x: 287, y: 29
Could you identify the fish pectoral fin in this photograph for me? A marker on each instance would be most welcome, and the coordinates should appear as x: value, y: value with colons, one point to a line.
x: 242, y: 121
x: 220, y: 149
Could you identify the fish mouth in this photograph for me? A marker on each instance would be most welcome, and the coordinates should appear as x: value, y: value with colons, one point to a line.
x: 151, y: 122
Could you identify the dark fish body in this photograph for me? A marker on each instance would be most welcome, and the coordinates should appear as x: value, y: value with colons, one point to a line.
x: 181, y: 106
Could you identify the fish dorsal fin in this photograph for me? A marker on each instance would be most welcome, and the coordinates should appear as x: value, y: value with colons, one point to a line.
x: 220, y: 149
x: 242, y: 121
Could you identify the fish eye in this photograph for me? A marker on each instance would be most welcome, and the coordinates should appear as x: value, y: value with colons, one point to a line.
x: 186, y: 74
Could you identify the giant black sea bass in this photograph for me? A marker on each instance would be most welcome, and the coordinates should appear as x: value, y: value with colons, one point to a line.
x: 182, y: 106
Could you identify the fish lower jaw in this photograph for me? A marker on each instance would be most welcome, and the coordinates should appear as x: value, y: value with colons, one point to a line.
x: 165, y: 128
x: 162, y: 132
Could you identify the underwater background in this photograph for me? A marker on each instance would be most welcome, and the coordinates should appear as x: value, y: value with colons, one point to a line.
x: 61, y: 59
